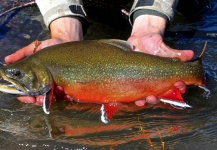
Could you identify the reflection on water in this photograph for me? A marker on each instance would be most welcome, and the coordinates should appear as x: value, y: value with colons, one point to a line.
x: 78, y: 126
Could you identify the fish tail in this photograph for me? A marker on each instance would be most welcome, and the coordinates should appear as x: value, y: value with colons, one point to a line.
x: 197, y: 68
x: 201, y: 55
x: 203, y: 51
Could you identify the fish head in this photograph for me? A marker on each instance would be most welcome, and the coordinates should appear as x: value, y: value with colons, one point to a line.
x: 26, y: 77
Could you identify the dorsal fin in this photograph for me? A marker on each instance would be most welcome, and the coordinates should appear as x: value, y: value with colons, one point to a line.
x: 125, y: 45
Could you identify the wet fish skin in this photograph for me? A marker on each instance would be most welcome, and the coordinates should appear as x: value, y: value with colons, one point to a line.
x: 95, y: 71
x: 100, y: 71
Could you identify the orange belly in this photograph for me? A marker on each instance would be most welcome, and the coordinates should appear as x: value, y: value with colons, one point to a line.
x: 116, y: 91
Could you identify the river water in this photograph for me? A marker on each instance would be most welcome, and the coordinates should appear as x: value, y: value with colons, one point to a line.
x: 78, y: 126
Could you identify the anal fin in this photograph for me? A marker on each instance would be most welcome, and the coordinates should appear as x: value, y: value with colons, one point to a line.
x: 173, y: 94
x: 175, y: 103
x: 174, y: 98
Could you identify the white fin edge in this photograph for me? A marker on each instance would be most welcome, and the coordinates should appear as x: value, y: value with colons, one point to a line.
x: 104, y: 118
x: 176, y: 103
x: 44, y: 105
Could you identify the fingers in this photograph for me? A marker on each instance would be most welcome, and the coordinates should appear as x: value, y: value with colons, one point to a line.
x: 26, y: 99
x: 21, y: 53
x: 154, y: 100
x: 154, y: 45
x: 150, y: 99
x: 31, y: 100
x: 39, y: 100
x: 31, y: 48
x: 140, y: 103
x: 183, y: 55
x: 181, y: 86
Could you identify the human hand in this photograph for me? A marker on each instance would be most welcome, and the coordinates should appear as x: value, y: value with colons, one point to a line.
x: 32, y: 48
x: 62, y: 30
x: 153, y: 44
x: 148, y: 39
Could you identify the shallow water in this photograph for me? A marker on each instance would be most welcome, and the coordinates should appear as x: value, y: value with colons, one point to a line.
x: 78, y: 126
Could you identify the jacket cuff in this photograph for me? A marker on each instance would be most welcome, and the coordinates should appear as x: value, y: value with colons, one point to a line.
x: 54, y: 9
x: 162, y: 8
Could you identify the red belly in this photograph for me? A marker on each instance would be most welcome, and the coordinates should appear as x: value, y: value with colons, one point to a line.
x: 115, y: 91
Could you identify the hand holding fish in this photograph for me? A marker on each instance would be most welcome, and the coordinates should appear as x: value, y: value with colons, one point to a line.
x: 62, y: 30
x: 72, y: 31
x: 147, y: 36
x: 86, y: 75
x: 145, y: 43
x: 82, y: 71
x: 102, y: 79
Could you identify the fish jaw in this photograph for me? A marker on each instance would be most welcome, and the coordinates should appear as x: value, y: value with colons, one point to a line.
x: 11, y: 90
x: 11, y: 86
x: 28, y: 77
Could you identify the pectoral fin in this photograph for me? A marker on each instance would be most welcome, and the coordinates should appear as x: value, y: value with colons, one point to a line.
x: 47, y: 101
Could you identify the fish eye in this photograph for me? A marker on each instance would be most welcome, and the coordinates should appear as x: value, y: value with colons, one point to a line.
x: 13, y: 72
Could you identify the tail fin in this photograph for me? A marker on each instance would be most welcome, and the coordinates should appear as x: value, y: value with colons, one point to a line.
x: 197, y: 66
x: 202, y: 53
x: 199, y: 59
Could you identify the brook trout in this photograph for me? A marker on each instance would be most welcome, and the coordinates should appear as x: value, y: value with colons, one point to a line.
x: 99, y: 71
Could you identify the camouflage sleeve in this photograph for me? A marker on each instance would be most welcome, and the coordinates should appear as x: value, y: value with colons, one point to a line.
x: 54, y: 9
x: 162, y: 8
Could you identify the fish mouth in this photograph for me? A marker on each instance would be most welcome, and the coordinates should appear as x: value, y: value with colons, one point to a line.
x: 8, y: 85
x: 12, y: 87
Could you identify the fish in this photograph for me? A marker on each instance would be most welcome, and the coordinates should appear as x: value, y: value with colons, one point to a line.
x: 105, y: 71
